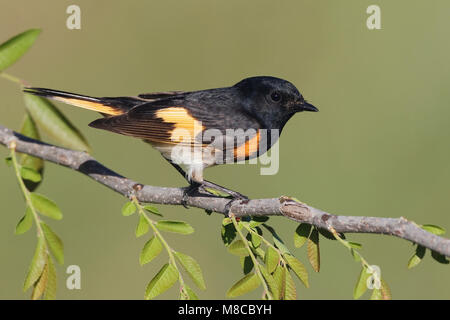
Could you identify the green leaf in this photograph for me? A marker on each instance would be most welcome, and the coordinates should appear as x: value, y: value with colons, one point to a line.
x: 128, y: 209
x: 142, y: 226
x: 174, y: 226
x: 434, y: 229
x: 248, y: 283
x: 228, y: 233
x: 50, y: 290
x: 192, y: 268
x: 187, y: 294
x: 260, y: 253
x: 289, y: 287
x: 361, y: 284
x: 281, y: 246
x: 37, y: 264
x: 277, y: 241
x: 256, y: 221
x: 226, y: 221
x: 54, y: 123
x: 8, y: 161
x: 45, y: 206
x: 270, y: 281
x: 41, y: 284
x: 376, y: 294
x: 153, y: 210
x: 255, y: 240
x: 14, y: 48
x: 279, y: 278
x: 30, y: 174
x: 355, y: 245
x: 285, y: 283
x: 217, y: 193
x: 301, y: 234
x: 417, y: 257
x: 238, y: 248
x: 164, y: 280
x: 150, y: 251
x: 246, y: 264
x: 313, y: 250
x: 439, y: 257
x: 327, y: 234
x: 54, y: 242
x: 298, y: 268
x: 25, y: 223
x: 30, y: 130
x: 271, y: 259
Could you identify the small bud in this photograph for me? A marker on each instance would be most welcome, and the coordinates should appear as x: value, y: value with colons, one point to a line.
x: 12, y: 145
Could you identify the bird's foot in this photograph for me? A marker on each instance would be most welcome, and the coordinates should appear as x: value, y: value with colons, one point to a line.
x: 193, y: 188
x: 235, y: 196
x: 212, y: 189
x: 187, y: 192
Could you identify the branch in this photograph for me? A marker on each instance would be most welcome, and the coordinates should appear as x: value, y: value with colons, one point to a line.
x: 283, y: 206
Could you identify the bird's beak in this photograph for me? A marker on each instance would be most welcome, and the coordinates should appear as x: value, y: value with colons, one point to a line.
x: 305, y: 106
x: 309, y: 107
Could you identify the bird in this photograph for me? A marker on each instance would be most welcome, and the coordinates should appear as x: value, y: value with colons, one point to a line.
x: 194, y: 130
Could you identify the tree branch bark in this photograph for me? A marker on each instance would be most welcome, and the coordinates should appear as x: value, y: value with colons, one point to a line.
x: 283, y: 206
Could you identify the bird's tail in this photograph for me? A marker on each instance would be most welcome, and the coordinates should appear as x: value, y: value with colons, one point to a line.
x: 107, y: 106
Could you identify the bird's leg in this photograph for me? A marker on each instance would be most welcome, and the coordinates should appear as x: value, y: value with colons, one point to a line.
x: 193, y: 186
x: 178, y: 168
x: 187, y: 191
x: 196, y: 186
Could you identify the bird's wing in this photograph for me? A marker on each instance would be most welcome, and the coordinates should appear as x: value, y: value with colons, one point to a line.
x: 182, y: 122
x: 161, y: 95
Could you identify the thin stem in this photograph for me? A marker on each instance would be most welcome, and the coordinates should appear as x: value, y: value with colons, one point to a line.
x: 252, y: 256
x: 24, y: 189
x: 161, y: 238
x: 12, y: 78
x: 267, y: 242
x: 348, y: 246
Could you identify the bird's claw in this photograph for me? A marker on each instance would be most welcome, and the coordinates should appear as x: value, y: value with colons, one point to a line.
x: 187, y: 191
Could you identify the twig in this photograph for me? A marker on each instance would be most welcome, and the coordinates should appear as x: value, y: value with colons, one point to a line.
x: 252, y: 256
x: 283, y: 206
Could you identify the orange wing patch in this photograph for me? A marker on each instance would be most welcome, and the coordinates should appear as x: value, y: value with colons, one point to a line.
x: 248, y: 149
x: 90, y: 105
x: 186, y: 127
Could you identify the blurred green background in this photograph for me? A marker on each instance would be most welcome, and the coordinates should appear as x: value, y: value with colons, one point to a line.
x: 378, y: 147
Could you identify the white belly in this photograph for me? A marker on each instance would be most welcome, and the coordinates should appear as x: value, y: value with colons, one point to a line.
x: 193, y: 159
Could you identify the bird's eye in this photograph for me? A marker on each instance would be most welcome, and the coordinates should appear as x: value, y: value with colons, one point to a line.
x: 275, y: 96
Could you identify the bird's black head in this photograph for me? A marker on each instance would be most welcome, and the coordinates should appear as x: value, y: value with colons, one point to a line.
x: 274, y: 101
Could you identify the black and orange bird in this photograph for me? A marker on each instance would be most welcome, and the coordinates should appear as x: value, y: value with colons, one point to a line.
x: 198, y: 129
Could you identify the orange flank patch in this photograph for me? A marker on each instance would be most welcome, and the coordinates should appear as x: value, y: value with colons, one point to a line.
x: 90, y: 105
x: 247, y: 149
x: 186, y: 127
